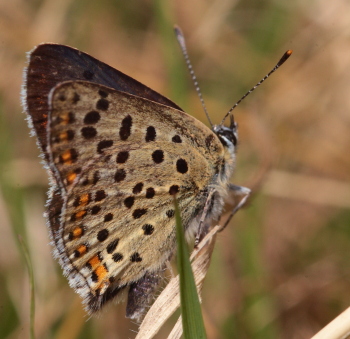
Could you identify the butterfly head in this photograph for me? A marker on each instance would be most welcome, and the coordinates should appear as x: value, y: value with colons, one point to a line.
x: 228, y: 135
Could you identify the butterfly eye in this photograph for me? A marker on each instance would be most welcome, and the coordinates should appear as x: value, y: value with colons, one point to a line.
x: 227, y: 135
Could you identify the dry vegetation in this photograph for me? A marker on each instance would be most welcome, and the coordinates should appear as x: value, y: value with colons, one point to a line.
x: 281, y: 269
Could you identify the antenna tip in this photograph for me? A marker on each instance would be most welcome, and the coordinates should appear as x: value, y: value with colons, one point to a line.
x: 178, y: 30
x: 180, y: 37
x: 285, y: 57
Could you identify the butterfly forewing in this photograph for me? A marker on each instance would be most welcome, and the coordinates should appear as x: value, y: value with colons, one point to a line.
x: 51, y: 64
x: 119, y: 160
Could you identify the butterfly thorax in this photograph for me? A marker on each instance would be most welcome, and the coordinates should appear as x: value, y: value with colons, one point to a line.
x: 218, y: 187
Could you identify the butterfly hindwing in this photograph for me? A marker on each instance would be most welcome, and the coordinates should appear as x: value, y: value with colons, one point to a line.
x: 119, y: 160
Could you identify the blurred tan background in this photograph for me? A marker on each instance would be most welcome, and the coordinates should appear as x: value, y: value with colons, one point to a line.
x: 281, y: 269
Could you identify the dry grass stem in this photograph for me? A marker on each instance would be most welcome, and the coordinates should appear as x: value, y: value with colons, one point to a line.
x: 169, y: 300
x: 339, y: 328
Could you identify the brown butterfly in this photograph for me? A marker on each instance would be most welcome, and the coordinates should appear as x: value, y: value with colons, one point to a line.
x: 116, y: 153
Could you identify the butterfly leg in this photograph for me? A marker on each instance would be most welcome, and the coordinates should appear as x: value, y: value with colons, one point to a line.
x: 241, y: 194
x: 202, y: 227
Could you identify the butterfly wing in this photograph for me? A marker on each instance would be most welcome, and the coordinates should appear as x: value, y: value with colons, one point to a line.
x: 118, y: 160
x: 51, y: 64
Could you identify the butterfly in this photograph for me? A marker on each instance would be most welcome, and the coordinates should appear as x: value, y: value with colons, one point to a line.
x: 117, y: 153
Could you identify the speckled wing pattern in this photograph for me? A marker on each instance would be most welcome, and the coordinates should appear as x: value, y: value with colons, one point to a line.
x: 51, y: 64
x: 116, y: 153
x: 119, y: 159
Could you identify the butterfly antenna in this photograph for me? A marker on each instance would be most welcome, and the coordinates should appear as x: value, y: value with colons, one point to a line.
x: 280, y: 62
x: 180, y: 38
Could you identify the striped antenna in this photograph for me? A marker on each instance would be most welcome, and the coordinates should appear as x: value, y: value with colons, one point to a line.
x: 181, y: 40
x: 285, y: 56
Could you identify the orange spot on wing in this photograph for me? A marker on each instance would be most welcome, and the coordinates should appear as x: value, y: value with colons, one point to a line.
x: 63, y: 136
x: 64, y: 118
x: 94, y: 261
x: 80, y: 214
x: 101, y: 272
x: 70, y: 177
x: 84, y: 199
x: 77, y: 232
x: 82, y: 249
x: 66, y: 157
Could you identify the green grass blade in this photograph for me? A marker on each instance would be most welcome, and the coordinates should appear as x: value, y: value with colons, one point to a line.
x: 32, y: 286
x: 192, y: 321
